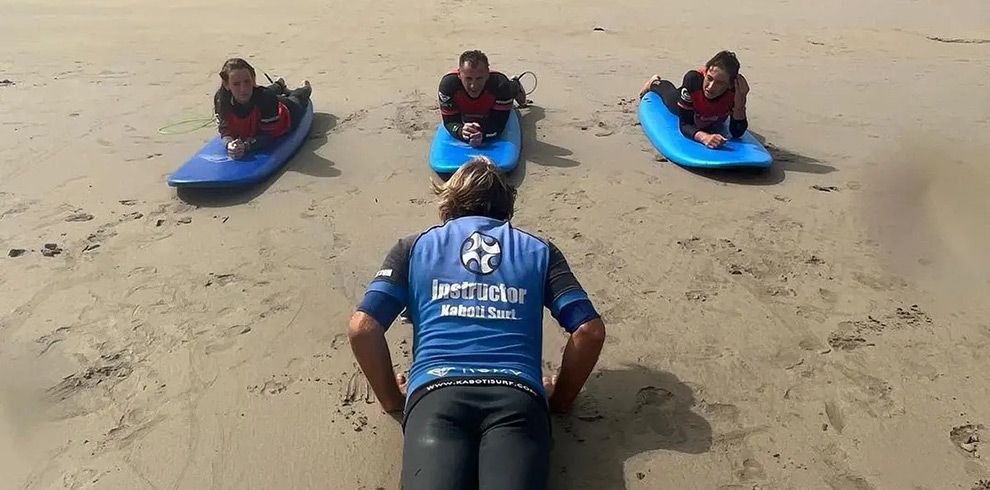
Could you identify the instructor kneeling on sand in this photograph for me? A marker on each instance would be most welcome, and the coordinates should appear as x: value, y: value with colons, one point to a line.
x: 476, y: 407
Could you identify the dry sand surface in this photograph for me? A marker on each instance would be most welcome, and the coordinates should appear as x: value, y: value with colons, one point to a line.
x: 821, y: 326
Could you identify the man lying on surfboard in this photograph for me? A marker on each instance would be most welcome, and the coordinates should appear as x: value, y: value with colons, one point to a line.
x: 475, y: 101
x: 251, y: 117
x: 706, y: 98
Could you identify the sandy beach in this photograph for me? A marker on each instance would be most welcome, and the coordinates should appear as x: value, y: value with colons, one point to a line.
x: 823, y: 325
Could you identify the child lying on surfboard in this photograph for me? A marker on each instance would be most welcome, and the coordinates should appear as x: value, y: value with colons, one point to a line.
x: 251, y: 117
x: 707, y: 96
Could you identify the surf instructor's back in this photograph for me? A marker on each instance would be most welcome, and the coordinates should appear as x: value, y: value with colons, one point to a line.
x: 477, y: 406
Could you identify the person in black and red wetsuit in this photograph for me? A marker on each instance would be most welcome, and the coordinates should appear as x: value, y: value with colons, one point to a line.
x: 706, y: 98
x: 475, y: 101
x: 251, y: 117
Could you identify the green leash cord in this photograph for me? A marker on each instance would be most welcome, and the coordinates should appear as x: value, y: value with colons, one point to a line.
x: 187, y: 126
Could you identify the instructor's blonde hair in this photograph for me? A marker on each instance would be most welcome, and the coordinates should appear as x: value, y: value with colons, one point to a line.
x: 475, y: 189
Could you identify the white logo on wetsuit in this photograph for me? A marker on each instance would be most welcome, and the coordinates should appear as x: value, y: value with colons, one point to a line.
x: 440, y: 372
x: 481, y: 254
x: 467, y: 371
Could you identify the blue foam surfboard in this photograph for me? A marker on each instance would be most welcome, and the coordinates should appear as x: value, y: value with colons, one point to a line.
x: 662, y: 127
x: 448, y: 153
x: 211, y: 167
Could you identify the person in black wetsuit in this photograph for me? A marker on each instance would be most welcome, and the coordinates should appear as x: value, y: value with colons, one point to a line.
x: 475, y: 101
x: 251, y: 117
x: 707, y: 97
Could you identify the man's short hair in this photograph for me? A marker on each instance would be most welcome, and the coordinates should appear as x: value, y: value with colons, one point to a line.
x: 473, y: 57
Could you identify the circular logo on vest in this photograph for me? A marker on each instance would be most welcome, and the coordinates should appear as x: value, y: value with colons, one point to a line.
x: 481, y: 254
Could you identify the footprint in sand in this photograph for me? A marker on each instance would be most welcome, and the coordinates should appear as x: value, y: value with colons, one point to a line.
x: 780, y: 292
x: 967, y: 438
x: 220, y: 279
x: 83, y: 478
x: 850, y: 336
x: 854, y: 334
x: 721, y: 414
x: 349, y: 120
x: 338, y: 340
x: 871, y: 395
x: 226, y: 338
x: 834, y: 416
x: 751, y: 470
x: 599, y: 126
x: 413, y: 116
x: 698, y: 296
x: 145, y: 270
x: 79, y: 217
x: 878, y: 283
x: 48, y: 340
x: 828, y: 296
x: 849, y: 482
x: 104, y: 373
x: 271, y: 387
x: 656, y: 405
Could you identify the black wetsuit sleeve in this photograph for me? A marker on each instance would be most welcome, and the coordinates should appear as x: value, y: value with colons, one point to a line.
x: 453, y: 125
x: 560, y: 280
x: 451, y: 114
x: 494, y: 124
x: 222, y: 126
x: 501, y: 88
x: 395, y: 267
x: 388, y: 292
x: 737, y: 127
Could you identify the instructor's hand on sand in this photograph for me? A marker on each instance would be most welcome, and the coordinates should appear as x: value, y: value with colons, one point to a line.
x: 399, y: 404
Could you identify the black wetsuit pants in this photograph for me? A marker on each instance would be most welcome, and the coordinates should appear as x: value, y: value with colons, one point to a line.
x: 295, y: 100
x: 669, y: 94
x: 476, y: 437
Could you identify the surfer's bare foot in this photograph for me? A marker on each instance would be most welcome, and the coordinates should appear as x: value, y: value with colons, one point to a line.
x: 649, y: 83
